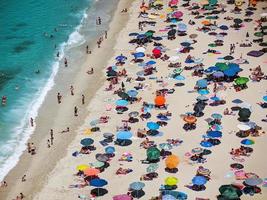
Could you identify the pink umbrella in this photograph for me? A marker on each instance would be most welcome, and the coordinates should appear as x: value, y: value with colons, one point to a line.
x: 177, y: 14
x: 173, y: 2
x: 122, y: 197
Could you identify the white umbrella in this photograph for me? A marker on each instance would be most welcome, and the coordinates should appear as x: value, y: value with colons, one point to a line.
x: 243, y: 127
x: 263, y: 14
x: 174, y: 58
x: 140, y: 49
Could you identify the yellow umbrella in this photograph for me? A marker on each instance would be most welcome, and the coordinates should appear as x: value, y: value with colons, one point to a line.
x: 152, y: 16
x: 204, y: 2
x: 82, y: 167
x: 158, y: 3
x: 87, y: 131
x: 171, y: 180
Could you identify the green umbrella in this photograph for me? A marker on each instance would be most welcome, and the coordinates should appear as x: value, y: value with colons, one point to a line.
x: 165, y: 146
x: 222, y: 66
x: 259, y: 34
x: 177, y: 70
x: 149, y: 34
x: 230, y: 192
x: 212, y: 45
x: 152, y: 167
x: 98, y: 164
x: 213, y: 2
x: 241, y: 80
x: 152, y: 153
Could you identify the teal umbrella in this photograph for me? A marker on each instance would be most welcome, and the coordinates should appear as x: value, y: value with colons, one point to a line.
x: 153, y: 153
x: 152, y: 167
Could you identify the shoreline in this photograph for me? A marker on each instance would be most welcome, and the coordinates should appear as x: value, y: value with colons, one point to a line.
x: 29, y: 164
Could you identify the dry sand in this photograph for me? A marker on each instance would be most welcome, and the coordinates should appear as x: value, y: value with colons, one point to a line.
x: 54, y: 181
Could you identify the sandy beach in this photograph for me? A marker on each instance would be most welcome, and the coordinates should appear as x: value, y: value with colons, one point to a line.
x: 51, y: 173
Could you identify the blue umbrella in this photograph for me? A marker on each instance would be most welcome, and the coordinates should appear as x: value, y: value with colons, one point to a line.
x: 152, y: 125
x: 205, y: 144
x: 216, y: 116
x: 215, y: 98
x: 216, y: 127
x: 247, y: 142
x: 121, y: 58
x: 132, y: 93
x: 202, y: 83
x: 133, y: 34
x: 168, y: 197
x: 124, y: 135
x: 237, y: 101
x: 230, y: 72
x: 179, y: 78
x: 87, y: 141
x: 122, y: 102
x: 199, y: 180
x: 139, y: 55
x: 109, y: 150
x: 214, y: 134
x: 264, y: 98
x: 182, y: 27
x: 203, y: 92
x: 224, y: 27
x: 185, y: 44
x: 141, y: 36
x: 137, y: 185
x: 98, y: 182
x: 218, y: 74
x: 151, y: 62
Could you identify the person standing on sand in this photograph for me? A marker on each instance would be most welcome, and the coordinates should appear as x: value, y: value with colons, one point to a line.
x: 48, y: 143
x: 71, y: 90
x: 66, y: 62
x: 31, y: 121
x: 83, y: 99
x: 106, y: 34
x: 59, y: 97
x: 23, y: 179
x: 75, y: 111
x: 51, y: 136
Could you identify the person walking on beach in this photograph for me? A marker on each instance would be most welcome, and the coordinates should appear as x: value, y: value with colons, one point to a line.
x: 66, y: 62
x: 99, y: 20
x: 21, y: 195
x: 83, y: 99
x: 75, y: 111
x: 23, y: 179
x: 87, y: 50
x: 59, y: 97
x: 106, y: 34
x: 51, y: 136
x: 48, y: 143
x: 71, y: 90
x: 31, y: 121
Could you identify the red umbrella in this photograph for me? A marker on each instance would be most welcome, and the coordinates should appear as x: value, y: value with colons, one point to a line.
x: 156, y: 51
x: 177, y: 14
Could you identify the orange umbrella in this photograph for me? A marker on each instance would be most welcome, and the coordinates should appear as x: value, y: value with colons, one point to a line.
x: 91, y: 172
x: 160, y: 100
x: 205, y: 22
x: 172, y: 161
x: 190, y: 119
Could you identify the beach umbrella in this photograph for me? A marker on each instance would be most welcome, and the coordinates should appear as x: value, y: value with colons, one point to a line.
x: 156, y: 51
x: 172, y: 161
x: 132, y: 93
x: 173, y: 58
x: 205, y: 144
x: 199, y: 180
x: 153, y: 153
x: 152, y: 167
x: 237, y: 101
x: 98, y: 164
x: 221, y: 66
x: 122, y: 197
x: 185, y: 44
x: 193, y: 36
x: 165, y: 146
x: 202, y: 98
x: 214, y: 134
x: 102, y: 157
x: 87, y: 141
x: 177, y: 70
x: 216, y: 116
x: 179, y: 78
x: 202, y: 83
x: 99, y: 192
x: 223, y: 27
x: 171, y: 181
x: 244, y: 114
x: 182, y: 27
x: 238, y: 21
x: 133, y: 114
x: 264, y: 98
x: 172, y: 32
x: 121, y: 102
x: 121, y: 58
x: 82, y: 167
x: 177, y: 14
x: 230, y: 192
x: 108, y: 135
x: 160, y: 100
x: 237, y: 166
x: 190, y: 119
x: 98, y: 182
x: 253, y: 181
x: 138, y: 55
x: 140, y: 49
x: 243, y: 127
x: 133, y: 34
x: 124, y: 135
x: 197, y: 150
x: 137, y: 185
x: 152, y: 125
x: 241, y: 80
x: 109, y: 150
x: 218, y: 74
x: 168, y: 197
x: 216, y: 127
x: 151, y: 62
x: 91, y: 172
x: 94, y: 122
x: 228, y: 58
x: 203, y: 92
x: 230, y: 72
x: 215, y: 98
x: 247, y: 142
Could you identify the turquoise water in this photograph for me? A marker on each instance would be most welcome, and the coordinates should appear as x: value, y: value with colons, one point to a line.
x: 26, y: 46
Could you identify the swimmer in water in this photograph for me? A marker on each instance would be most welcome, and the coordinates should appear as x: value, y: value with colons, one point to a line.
x: 16, y: 87
x: 37, y: 71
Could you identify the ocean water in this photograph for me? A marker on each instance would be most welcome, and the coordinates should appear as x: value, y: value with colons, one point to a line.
x: 31, y: 33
